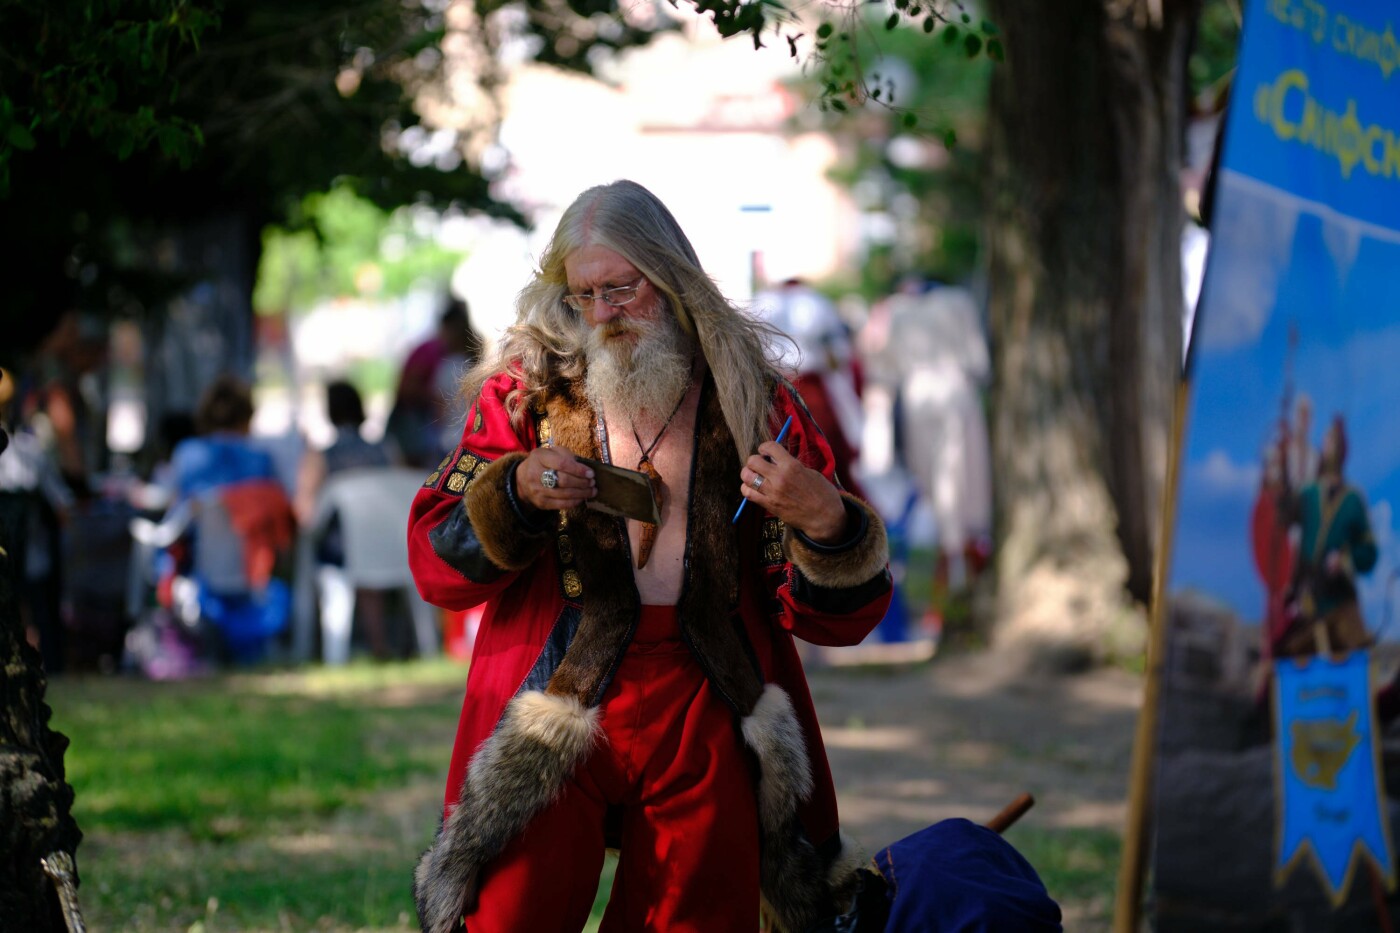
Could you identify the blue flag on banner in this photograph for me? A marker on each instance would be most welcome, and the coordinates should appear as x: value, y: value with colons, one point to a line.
x: 1328, y: 771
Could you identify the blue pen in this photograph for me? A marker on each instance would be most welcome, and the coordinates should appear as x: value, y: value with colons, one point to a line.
x: 777, y: 440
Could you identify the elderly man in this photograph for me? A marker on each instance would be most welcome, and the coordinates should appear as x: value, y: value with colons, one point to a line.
x: 634, y: 684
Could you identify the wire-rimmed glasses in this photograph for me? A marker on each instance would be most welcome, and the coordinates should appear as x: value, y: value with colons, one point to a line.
x: 612, y: 297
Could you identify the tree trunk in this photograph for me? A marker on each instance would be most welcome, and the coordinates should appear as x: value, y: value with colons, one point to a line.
x: 36, y: 822
x: 1087, y: 121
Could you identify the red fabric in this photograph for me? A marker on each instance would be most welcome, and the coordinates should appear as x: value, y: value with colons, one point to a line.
x: 1274, y: 558
x: 670, y: 755
x: 261, y: 514
x: 812, y: 388
x: 521, y: 607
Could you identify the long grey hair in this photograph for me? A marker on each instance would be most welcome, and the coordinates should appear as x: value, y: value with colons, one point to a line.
x: 547, y: 341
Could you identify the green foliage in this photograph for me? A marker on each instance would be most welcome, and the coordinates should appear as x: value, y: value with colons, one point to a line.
x: 99, y: 69
x: 204, y: 112
x: 343, y: 245
x: 910, y: 108
x: 1216, y: 48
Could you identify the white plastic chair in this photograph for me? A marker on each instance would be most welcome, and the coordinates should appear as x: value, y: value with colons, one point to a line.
x: 373, y: 505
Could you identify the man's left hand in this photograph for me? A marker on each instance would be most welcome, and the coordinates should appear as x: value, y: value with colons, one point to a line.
x: 799, y: 495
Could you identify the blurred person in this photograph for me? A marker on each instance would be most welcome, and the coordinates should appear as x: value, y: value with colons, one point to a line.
x: 223, y: 462
x: 939, y: 353
x: 58, y: 400
x: 636, y: 684
x: 817, y: 355
x: 221, y: 452
x: 157, y: 491
x: 425, y: 400
x: 1335, y: 543
x: 347, y: 451
x: 35, y: 504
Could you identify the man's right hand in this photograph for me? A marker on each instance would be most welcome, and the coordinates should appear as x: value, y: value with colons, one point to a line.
x: 573, y: 482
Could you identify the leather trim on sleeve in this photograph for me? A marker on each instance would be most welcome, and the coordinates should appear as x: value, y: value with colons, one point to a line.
x: 839, y: 600
x: 455, y: 541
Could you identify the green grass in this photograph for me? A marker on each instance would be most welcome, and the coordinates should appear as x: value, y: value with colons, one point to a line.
x: 285, y: 801
x: 237, y: 756
x: 271, y: 801
x: 1078, y: 866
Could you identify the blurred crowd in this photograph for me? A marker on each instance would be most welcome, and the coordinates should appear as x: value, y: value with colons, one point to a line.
x: 218, y: 546
x: 898, y: 388
x: 221, y: 546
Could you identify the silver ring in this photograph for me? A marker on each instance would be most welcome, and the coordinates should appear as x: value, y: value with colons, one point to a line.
x: 549, y: 479
x: 757, y: 481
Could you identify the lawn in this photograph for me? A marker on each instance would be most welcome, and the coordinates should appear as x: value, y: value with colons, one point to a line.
x: 272, y: 801
x: 300, y: 800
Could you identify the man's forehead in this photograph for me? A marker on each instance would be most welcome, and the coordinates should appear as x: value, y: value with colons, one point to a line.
x: 598, y: 265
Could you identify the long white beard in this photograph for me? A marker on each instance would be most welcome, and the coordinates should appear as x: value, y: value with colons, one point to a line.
x: 641, y: 380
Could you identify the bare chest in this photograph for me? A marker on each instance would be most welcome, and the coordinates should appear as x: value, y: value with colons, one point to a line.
x: 659, y: 581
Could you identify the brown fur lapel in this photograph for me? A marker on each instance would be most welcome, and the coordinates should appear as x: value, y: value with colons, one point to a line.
x: 610, y: 603
x: 609, y: 599
x: 706, y: 609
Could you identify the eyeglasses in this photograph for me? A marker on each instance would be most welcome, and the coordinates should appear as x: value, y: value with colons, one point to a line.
x: 612, y: 297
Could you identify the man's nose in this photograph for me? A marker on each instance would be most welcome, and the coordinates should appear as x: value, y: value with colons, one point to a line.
x: 604, y: 312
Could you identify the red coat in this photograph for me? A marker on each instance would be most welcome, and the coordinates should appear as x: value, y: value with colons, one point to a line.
x: 561, y: 608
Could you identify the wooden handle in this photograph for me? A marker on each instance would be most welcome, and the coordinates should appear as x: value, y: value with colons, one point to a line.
x: 7, y: 387
x: 1010, y: 813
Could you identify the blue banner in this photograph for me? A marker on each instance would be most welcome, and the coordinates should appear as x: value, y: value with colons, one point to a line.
x: 1287, y: 511
x: 1328, y: 770
x: 1315, y: 114
x: 1298, y: 328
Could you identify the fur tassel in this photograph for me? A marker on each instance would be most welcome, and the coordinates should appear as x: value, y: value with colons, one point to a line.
x: 796, y: 895
x: 785, y: 774
x: 799, y: 890
x: 845, y: 568
x: 841, y: 877
x: 516, y: 773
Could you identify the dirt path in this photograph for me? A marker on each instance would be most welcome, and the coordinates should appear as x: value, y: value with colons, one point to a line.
x: 959, y: 737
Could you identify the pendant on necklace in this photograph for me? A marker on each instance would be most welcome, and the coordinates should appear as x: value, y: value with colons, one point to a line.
x: 658, y: 489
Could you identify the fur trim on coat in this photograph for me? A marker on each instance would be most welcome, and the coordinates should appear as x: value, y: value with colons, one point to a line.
x: 515, y: 774
x: 493, y: 518
x: 842, y: 568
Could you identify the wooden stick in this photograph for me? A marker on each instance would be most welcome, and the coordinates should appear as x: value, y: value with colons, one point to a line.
x: 1132, y: 866
x: 1323, y: 643
x: 1010, y: 813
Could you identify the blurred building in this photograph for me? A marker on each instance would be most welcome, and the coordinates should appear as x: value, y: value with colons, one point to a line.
x: 704, y: 123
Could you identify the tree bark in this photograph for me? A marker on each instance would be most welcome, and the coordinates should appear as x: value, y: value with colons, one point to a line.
x: 1087, y: 123
x: 36, y: 821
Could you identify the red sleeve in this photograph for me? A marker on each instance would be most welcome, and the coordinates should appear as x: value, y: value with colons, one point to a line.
x: 829, y: 595
x: 466, y: 542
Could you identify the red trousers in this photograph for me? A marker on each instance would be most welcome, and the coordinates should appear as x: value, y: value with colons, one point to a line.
x: 675, y: 765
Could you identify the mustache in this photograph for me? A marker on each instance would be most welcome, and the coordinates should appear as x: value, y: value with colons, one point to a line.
x: 616, y: 329
x: 600, y: 336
